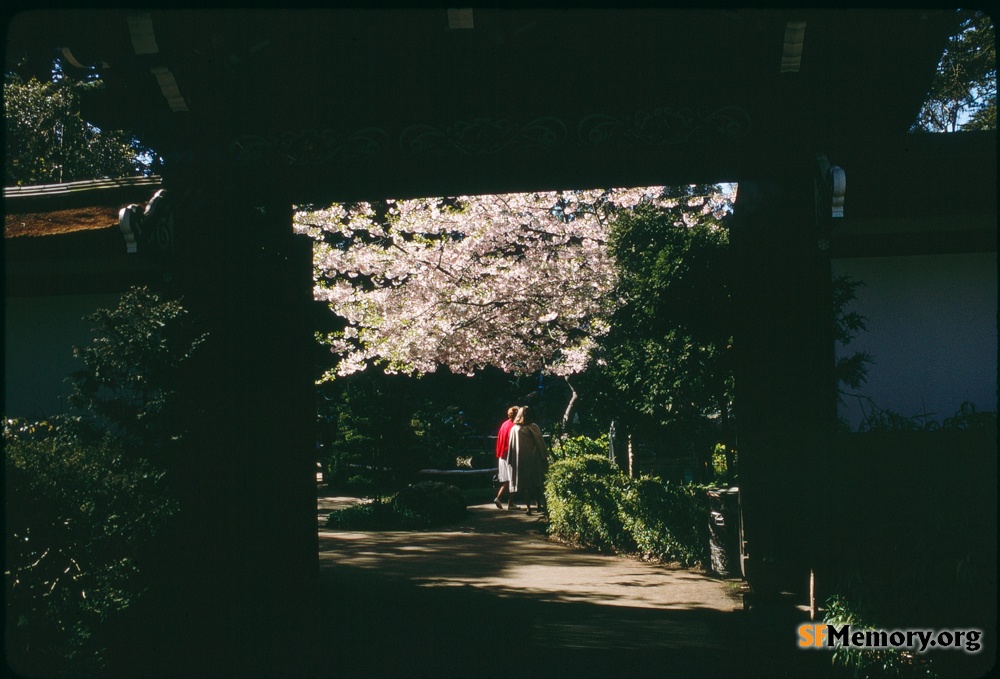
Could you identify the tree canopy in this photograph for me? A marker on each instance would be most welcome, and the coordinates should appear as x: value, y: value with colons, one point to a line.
x: 963, y: 95
x: 131, y: 368
x: 668, y: 352
x: 49, y: 142
x: 521, y: 282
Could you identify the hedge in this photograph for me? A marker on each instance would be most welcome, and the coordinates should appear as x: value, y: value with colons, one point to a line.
x: 593, y: 504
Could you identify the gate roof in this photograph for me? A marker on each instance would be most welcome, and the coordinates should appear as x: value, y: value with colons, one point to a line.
x: 335, y: 104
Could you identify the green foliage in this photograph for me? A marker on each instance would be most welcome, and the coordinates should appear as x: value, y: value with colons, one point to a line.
x: 666, y: 520
x: 594, y: 504
x: 131, y: 367
x: 965, y: 86
x: 666, y: 363
x: 847, y: 324
x: 78, y: 512
x: 385, y: 428
x: 361, y: 485
x: 83, y: 498
x: 375, y: 515
x: 373, y: 440
x: 720, y: 464
x: 869, y: 663
x: 48, y: 142
x: 438, y: 503
x: 932, y: 563
x: 441, y: 433
x: 566, y: 446
x: 668, y: 353
x: 967, y: 418
x: 852, y: 370
x: 427, y: 504
x: 583, y: 495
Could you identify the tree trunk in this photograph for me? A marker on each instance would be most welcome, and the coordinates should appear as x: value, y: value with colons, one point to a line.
x: 727, y: 439
x: 568, y: 413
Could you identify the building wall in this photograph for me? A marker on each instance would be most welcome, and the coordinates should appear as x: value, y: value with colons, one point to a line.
x: 931, y: 330
x: 39, y: 336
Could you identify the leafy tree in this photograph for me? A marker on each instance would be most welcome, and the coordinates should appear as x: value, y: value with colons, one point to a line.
x: 131, y: 368
x: 373, y: 436
x: 83, y: 498
x: 668, y: 355
x: 49, y: 142
x: 851, y: 370
x: 963, y: 94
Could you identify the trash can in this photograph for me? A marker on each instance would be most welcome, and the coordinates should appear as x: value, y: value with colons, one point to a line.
x: 724, y: 531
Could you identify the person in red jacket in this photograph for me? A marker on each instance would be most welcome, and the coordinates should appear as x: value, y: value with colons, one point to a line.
x: 503, y: 467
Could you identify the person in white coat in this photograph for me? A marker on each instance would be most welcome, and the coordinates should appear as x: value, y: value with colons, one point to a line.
x: 528, y: 458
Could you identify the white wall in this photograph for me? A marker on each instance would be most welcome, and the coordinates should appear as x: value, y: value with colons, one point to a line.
x: 39, y: 335
x: 932, y: 330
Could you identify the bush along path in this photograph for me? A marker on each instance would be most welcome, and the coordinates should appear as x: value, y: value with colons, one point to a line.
x: 594, y: 504
x: 492, y: 593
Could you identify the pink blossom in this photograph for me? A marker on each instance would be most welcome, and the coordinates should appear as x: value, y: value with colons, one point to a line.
x: 522, y: 282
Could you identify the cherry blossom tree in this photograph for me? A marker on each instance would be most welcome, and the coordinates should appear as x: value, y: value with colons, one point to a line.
x: 523, y: 282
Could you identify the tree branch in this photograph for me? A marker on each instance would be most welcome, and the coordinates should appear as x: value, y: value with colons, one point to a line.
x: 569, y: 406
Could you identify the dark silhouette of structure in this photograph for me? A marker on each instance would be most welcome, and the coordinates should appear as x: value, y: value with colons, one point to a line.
x: 257, y: 111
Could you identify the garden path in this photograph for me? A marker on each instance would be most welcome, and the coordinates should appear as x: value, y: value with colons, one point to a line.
x: 492, y: 596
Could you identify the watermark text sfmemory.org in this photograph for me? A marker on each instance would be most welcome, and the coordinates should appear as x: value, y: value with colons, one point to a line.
x: 814, y: 635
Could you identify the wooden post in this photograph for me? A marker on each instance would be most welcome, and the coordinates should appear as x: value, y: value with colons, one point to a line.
x: 238, y: 575
x: 785, y: 390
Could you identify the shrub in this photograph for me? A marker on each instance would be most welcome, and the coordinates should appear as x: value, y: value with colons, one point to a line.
x: 373, y: 516
x: 83, y: 499
x: 439, y: 503
x: 78, y: 513
x: 592, y: 503
x: 667, y: 521
x: 360, y: 485
x: 576, y: 446
x: 131, y: 369
x: 423, y: 505
x: 869, y: 663
x: 583, y: 495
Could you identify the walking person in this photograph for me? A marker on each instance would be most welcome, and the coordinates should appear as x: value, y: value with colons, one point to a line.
x: 503, y: 467
x: 528, y: 459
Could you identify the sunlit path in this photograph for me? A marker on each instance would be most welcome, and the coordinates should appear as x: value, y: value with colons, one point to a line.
x: 493, y: 593
x: 506, y: 553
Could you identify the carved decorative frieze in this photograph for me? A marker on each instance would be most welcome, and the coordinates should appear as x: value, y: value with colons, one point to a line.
x: 310, y: 147
x: 482, y: 136
x: 663, y: 126
x: 486, y: 136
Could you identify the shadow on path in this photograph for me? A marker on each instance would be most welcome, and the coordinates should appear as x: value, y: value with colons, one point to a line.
x: 493, y: 597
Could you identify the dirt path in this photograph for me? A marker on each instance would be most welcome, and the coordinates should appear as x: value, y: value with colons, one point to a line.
x: 493, y: 596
